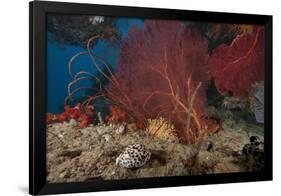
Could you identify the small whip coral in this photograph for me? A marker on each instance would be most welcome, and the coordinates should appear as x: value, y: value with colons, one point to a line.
x: 162, y: 129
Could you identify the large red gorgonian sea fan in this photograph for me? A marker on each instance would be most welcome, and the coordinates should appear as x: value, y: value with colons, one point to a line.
x: 163, y: 71
x: 236, y: 67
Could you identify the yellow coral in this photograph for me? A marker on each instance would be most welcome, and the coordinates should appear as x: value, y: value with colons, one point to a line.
x: 161, y: 128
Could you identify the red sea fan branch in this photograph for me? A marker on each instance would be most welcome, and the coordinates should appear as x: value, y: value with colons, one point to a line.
x: 162, y: 71
x: 236, y: 67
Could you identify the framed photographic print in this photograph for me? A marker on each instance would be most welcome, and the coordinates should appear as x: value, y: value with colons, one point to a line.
x: 127, y: 97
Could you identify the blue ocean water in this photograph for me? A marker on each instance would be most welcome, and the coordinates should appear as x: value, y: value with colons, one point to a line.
x: 58, y: 76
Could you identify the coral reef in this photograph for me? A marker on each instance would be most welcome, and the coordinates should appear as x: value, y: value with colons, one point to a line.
x: 184, y: 98
x: 170, y: 83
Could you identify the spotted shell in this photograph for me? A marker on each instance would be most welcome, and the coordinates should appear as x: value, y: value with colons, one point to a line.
x: 134, y: 156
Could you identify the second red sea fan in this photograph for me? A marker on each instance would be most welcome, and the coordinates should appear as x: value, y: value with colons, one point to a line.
x: 236, y: 67
x: 162, y: 71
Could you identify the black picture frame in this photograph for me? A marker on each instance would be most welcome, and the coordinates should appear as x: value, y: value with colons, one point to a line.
x: 37, y: 100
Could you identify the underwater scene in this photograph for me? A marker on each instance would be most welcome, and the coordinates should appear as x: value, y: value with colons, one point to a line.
x: 135, y: 98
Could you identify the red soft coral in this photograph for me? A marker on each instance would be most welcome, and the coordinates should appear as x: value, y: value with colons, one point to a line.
x: 62, y: 117
x: 117, y: 115
x: 236, y: 67
x: 84, y: 118
x: 50, y: 118
x: 73, y: 113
